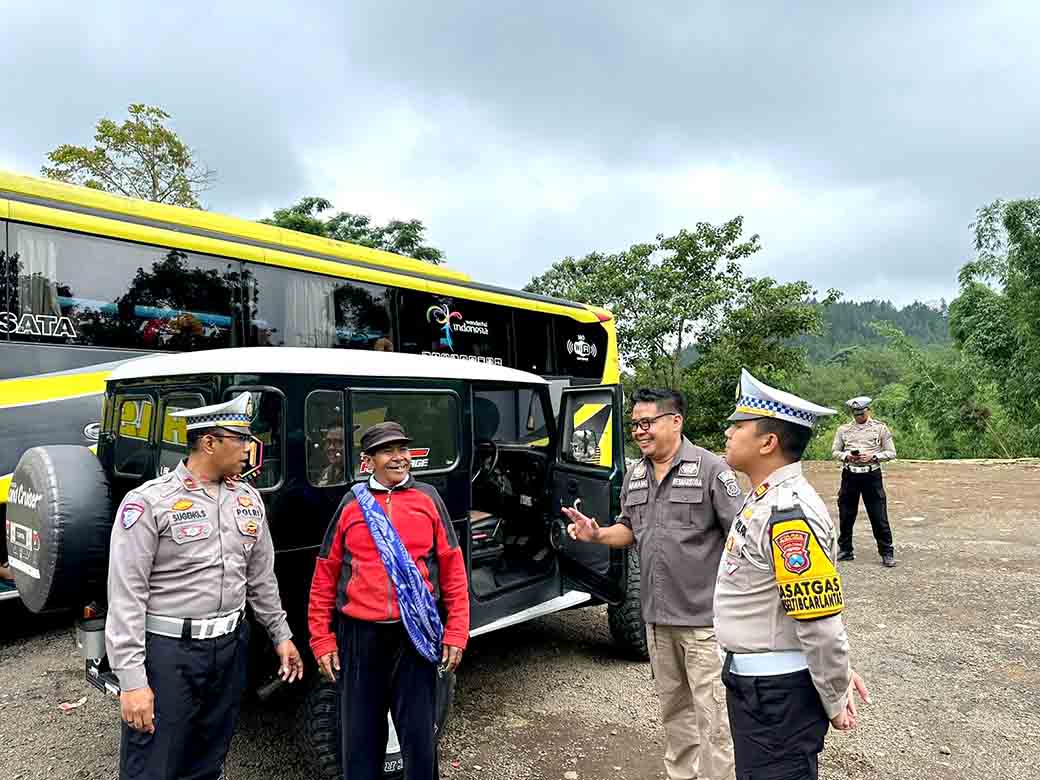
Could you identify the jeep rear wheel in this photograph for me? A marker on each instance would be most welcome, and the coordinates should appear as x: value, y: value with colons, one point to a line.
x: 321, y: 727
x: 626, y: 619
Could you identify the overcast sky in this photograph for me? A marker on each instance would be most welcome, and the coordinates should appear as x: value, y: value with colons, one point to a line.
x: 856, y: 143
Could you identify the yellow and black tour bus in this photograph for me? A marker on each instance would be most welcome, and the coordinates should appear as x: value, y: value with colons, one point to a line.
x: 89, y: 280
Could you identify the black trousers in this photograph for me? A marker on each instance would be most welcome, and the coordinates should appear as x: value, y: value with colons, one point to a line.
x: 871, y: 486
x: 198, y: 686
x: 778, y: 725
x: 381, y: 672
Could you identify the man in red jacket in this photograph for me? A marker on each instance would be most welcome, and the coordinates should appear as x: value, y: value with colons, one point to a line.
x: 355, y: 620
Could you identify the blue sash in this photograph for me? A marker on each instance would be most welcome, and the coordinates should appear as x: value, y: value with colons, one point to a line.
x: 418, y: 608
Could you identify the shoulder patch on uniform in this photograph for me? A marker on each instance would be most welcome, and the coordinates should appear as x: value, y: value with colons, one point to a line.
x: 130, y: 514
x: 639, y: 470
x: 245, y: 501
x: 729, y: 479
x: 690, y: 468
x: 807, y: 582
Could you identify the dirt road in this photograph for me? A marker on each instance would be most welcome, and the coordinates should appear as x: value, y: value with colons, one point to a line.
x: 949, y: 643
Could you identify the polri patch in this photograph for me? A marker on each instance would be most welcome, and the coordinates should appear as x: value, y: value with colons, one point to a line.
x: 639, y: 470
x: 131, y: 514
x: 245, y: 501
x: 729, y: 479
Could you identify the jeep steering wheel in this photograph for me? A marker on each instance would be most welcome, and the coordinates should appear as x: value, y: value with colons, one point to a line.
x: 485, y: 462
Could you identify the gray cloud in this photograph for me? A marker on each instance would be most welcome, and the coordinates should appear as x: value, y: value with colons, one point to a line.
x: 857, y: 142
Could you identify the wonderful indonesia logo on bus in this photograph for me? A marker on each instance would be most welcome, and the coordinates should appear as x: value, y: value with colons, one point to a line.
x: 453, y: 322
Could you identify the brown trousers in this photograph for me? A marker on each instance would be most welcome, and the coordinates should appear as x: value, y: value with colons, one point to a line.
x: 687, y: 672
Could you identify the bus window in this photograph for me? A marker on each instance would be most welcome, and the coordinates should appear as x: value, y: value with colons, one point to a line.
x: 455, y: 328
x: 533, y: 348
x: 173, y: 445
x: 290, y: 308
x: 132, y: 451
x: 581, y: 348
x: 430, y: 419
x: 76, y: 289
x: 326, y: 444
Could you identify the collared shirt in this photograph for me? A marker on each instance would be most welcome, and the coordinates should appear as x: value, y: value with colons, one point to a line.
x: 180, y: 550
x: 871, y: 438
x: 749, y: 616
x: 680, y: 526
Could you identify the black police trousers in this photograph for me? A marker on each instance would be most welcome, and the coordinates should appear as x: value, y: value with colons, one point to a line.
x: 380, y: 672
x: 198, y: 686
x: 778, y: 725
x: 872, y: 487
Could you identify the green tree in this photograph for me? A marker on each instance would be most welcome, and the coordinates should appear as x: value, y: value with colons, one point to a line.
x: 688, y: 317
x: 1000, y: 329
x: 140, y: 158
x: 402, y: 238
x: 664, y: 294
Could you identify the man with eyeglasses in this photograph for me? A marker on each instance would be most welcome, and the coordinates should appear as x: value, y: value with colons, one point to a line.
x: 188, y: 550
x: 862, y: 446
x: 677, y: 504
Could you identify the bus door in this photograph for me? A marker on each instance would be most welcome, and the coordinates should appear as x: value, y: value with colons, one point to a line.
x: 588, y: 472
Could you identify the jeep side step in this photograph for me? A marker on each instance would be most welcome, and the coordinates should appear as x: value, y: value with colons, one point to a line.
x: 569, y: 599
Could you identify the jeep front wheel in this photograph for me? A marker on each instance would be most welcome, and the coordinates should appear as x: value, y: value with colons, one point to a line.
x: 321, y: 728
x: 626, y: 619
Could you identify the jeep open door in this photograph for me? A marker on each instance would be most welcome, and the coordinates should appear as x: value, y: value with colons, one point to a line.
x: 589, y: 469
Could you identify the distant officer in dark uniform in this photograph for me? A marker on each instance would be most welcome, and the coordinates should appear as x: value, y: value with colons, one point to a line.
x: 189, y: 549
x: 862, y: 446
x: 778, y: 598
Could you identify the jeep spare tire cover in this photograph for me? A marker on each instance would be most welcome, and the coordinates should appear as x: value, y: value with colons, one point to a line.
x: 59, y: 519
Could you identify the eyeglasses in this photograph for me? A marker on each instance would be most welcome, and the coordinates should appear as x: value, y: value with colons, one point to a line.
x: 235, y: 437
x: 645, y: 423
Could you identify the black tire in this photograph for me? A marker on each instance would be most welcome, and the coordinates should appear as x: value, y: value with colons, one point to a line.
x: 626, y: 619
x: 321, y: 725
x: 59, y: 512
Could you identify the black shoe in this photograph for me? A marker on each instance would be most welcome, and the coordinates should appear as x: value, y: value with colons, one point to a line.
x: 846, y: 555
x: 887, y: 560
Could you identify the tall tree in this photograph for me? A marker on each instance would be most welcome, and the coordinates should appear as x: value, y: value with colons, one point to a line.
x: 402, y: 238
x: 663, y: 294
x: 1000, y: 328
x: 140, y: 158
x: 687, y: 295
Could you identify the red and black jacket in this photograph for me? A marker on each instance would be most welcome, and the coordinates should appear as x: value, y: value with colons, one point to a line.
x: 349, y: 575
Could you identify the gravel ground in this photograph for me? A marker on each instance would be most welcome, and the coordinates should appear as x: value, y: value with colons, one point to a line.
x: 949, y: 643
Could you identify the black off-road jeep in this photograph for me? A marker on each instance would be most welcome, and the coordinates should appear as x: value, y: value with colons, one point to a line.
x: 486, y: 436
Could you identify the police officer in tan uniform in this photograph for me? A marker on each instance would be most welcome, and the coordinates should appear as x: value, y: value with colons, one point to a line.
x: 677, y: 504
x: 778, y: 599
x: 862, y: 446
x: 188, y: 550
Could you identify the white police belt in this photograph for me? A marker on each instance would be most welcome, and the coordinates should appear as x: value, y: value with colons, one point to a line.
x: 202, y: 628
x: 768, y: 664
x: 863, y: 469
